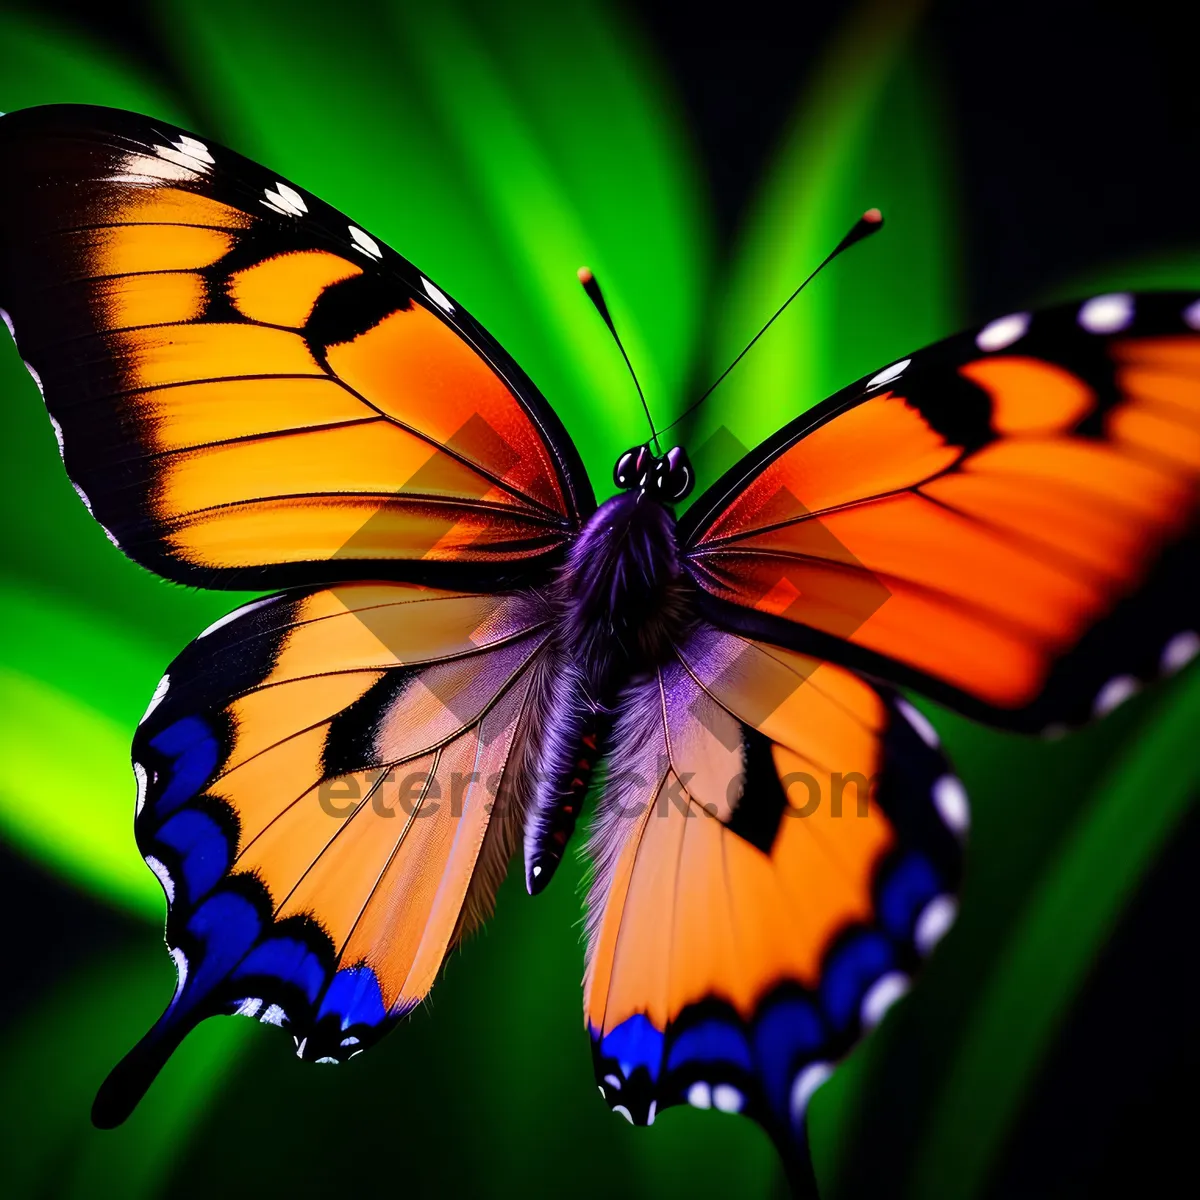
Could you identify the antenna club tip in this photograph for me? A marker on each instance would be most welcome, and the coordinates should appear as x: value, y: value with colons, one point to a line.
x: 873, y: 216
x: 585, y: 276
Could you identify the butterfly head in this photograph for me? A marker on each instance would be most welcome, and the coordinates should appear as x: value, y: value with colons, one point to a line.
x: 668, y: 477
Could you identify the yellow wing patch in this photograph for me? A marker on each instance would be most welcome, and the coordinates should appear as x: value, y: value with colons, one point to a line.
x: 284, y: 290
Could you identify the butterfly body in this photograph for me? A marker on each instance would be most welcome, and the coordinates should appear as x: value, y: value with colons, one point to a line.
x: 623, y: 602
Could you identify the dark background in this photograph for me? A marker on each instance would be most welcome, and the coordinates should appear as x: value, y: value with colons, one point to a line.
x: 1076, y: 133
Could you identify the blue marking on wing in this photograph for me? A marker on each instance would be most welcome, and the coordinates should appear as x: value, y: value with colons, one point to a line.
x: 202, y: 847
x: 849, y: 971
x: 786, y: 1033
x: 193, y: 750
x: 636, y: 1042
x: 227, y: 924
x: 711, y: 1042
x: 909, y: 886
x: 289, y: 961
x: 354, y: 996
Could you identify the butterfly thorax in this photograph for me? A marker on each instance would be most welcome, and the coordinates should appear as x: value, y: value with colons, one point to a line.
x: 623, y: 599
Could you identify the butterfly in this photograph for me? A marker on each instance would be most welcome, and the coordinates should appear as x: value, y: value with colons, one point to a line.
x: 250, y: 391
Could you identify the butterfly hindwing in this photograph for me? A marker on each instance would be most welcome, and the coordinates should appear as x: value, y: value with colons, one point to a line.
x: 1006, y: 521
x: 251, y: 391
x: 331, y: 784
x: 777, y: 849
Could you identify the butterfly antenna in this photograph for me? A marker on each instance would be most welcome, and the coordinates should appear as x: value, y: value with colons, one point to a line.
x: 867, y: 224
x: 596, y: 296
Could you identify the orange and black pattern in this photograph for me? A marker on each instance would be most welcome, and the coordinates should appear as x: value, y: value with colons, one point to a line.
x: 251, y: 391
x: 1006, y: 521
x: 330, y: 786
x: 777, y: 849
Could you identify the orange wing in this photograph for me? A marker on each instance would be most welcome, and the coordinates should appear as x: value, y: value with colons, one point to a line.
x: 331, y: 784
x: 1006, y: 521
x: 251, y: 391
x: 776, y: 851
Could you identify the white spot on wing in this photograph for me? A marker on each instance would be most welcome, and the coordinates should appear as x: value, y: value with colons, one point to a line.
x: 165, y: 164
x: 36, y: 379
x: 699, y: 1095
x: 273, y: 1016
x: 326, y: 1059
x: 882, y: 994
x: 1191, y: 315
x: 164, y: 876
x: 727, y: 1098
x: 950, y: 799
x: 613, y: 1082
x: 436, y: 294
x: 300, y: 1047
x: 181, y: 968
x: 1114, y: 693
x: 350, y: 1041
x: 193, y: 148
x: 184, y: 151
x: 1179, y: 651
x: 83, y: 496
x: 888, y: 374
x: 620, y: 1108
x: 1003, y: 332
x: 139, y: 773
x: 8, y: 322
x: 233, y: 616
x: 934, y: 922
x: 159, y: 692
x: 651, y: 1112
x: 920, y: 722
x: 248, y: 1007
x: 364, y: 242
x: 804, y: 1085
x: 285, y: 200
x: 1106, y: 314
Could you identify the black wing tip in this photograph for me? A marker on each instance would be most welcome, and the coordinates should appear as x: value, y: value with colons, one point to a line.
x: 121, y: 1092
x: 130, y: 1080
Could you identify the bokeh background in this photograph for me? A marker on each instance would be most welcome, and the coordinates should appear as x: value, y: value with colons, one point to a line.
x: 700, y: 165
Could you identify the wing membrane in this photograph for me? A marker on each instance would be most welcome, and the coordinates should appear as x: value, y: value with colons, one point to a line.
x: 331, y: 784
x: 1006, y: 521
x: 251, y: 391
x: 776, y: 852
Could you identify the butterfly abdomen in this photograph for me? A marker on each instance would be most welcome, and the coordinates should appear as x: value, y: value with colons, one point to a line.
x: 622, y: 603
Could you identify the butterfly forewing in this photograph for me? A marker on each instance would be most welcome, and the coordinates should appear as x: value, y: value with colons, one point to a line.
x: 252, y: 391
x: 1006, y: 521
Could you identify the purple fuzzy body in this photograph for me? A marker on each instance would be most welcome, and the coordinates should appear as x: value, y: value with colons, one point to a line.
x: 622, y: 602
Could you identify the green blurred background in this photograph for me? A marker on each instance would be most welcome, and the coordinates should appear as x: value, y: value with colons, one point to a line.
x: 701, y: 166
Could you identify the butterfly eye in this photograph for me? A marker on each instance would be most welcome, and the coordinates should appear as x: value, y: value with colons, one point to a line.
x: 676, y: 476
x: 630, y: 467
